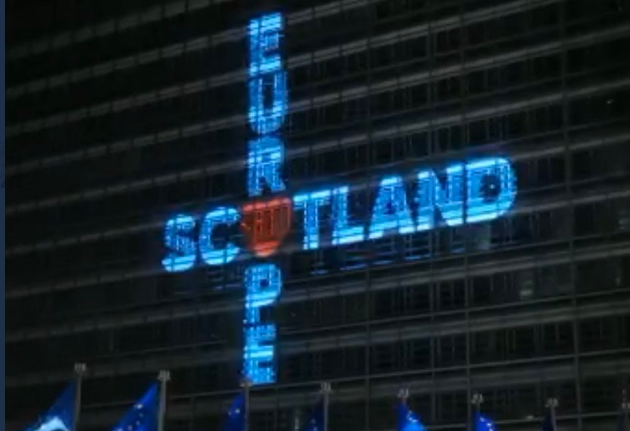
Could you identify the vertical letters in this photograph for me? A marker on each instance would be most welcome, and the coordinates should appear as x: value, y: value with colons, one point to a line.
x: 265, y: 70
x: 263, y: 284
x: 266, y: 155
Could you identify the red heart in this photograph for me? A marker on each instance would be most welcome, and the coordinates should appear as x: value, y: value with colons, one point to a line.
x: 266, y: 223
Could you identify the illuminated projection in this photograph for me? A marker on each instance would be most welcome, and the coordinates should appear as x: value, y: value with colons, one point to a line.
x: 179, y: 240
x: 471, y: 192
x: 263, y: 282
x: 342, y: 232
x: 211, y: 254
x: 391, y: 210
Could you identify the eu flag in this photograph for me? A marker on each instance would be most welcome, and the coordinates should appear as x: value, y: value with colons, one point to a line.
x: 483, y: 423
x: 143, y: 416
x: 408, y: 420
x: 316, y: 421
x: 235, y: 420
x: 547, y: 424
x: 60, y: 417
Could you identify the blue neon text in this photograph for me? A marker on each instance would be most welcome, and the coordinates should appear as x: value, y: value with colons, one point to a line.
x: 475, y: 192
x: 478, y: 191
x: 263, y: 284
x: 182, y: 246
x: 265, y: 69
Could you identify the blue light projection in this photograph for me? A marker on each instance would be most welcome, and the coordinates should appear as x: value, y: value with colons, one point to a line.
x: 449, y: 200
x: 266, y: 120
x: 391, y: 211
x: 266, y: 156
x: 265, y: 69
x: 491, y: 187
x: 264, y: 44
x: 209, y: 252
x: 310, y: 203
x: 178, y: 238
x: 265, y: 159
x: 478, y: 191
x: 342, y: 232
x: 425, y: 201
x: 258, y: 354
x: 263, y: 284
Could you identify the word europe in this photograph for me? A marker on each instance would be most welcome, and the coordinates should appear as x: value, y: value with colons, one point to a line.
x: 473, y: 192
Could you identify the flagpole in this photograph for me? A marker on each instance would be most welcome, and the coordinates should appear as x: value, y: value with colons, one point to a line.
x: 326, y: 390
x: 163, y: 376
x: 403, y: 395
x: 79, y: 371
x: 246, y: 384
x: 477, y: 400
x: 552, y: 404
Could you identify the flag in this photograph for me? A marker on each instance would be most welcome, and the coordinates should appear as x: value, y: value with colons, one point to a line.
x: 235, y: 420
x: 143, y: 416
x: 408, y: 420
x: 483, y: 423
x: 547, y: 424
x: 316, y: 422
x: 60, y: 417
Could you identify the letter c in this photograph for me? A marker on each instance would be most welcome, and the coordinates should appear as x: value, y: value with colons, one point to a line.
x: 209, y: 253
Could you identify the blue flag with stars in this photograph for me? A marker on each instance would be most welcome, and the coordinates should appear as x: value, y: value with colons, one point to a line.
x: 143, y: 416
x: 60, y: 416
x: 408, y: 420
x: 483, y: 423
x: 316, y: 421
x: 235, y: 420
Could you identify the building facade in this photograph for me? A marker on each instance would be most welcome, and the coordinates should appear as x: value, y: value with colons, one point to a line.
x: 124, y: 117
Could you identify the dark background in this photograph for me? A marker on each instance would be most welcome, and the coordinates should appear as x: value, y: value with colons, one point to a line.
x: 118, y: 114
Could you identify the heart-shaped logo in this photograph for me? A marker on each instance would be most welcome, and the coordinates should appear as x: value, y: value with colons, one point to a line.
x: 265, y: 224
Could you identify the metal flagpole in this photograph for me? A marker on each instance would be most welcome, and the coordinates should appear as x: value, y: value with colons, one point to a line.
x: 246, y: 384
x: 326, y: 390
x: 163, y: 376
x: 403, y: 394
x: 79, y: 371
x: 552, y: 404
x: 477, y: 400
